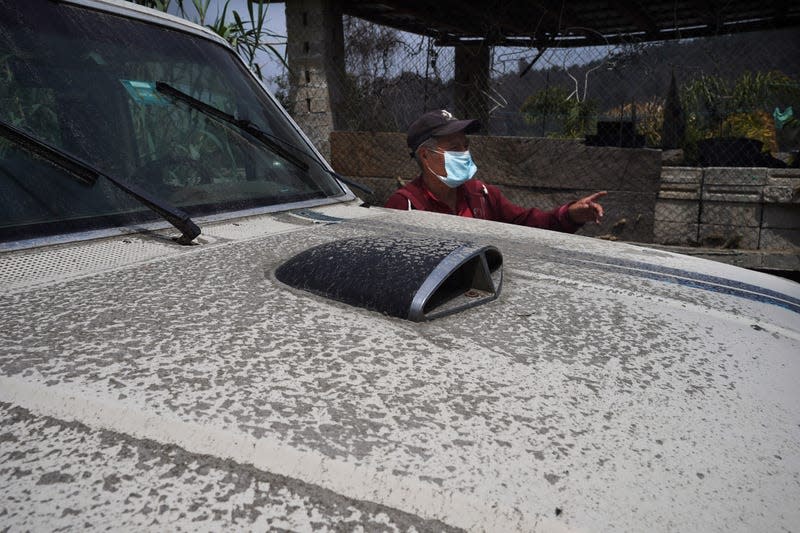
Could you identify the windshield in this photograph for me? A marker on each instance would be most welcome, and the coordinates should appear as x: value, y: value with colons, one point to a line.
x: 86, y: 82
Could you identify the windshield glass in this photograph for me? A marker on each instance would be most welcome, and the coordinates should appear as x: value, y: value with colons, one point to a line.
x: 86, y: 82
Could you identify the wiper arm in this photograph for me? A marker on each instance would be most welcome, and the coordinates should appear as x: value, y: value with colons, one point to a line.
x: 244, y: 125
x: 88, y: 175
x: 270, y: 141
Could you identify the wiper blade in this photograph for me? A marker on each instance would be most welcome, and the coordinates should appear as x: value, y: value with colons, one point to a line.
x: 350, y: 183
x: 244, y: 125
x: 275, y: 144
x: 88, y: 175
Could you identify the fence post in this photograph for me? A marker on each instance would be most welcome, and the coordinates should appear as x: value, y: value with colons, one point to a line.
x: 472, y: 82
x: 315, y: 50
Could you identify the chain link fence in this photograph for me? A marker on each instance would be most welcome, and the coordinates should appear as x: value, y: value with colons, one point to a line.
x: 727, y: 86
x: 702, y: 103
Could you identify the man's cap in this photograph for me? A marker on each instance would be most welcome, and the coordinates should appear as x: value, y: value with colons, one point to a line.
x: 437, y: 124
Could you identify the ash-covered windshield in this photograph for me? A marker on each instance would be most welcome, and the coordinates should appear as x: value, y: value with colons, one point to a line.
x: 86, y: 81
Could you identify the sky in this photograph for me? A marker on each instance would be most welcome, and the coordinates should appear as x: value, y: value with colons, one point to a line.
x: 506, y: 59
x: 276, y: 25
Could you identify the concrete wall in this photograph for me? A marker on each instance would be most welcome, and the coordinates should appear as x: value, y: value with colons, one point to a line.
x: 744, y: 216
x: 735, y: 208
x: 531, y: 172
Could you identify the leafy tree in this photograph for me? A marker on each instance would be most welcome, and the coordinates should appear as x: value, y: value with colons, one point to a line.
x: 379, y: 92
x: 563, y: 107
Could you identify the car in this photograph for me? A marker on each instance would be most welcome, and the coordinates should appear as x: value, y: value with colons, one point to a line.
x: 204, y: 328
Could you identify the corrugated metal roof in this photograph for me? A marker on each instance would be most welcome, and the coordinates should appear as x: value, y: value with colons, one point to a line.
x: 551, y: 23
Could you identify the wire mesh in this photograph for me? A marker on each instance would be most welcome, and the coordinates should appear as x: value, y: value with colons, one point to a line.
x: 702, y: 103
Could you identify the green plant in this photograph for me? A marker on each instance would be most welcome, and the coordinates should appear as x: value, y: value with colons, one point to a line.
x: 716, y: 107
x: 248, y: 37
x: 649, y: 118
x: 563, y: 107
x: 694, y: 133
x: 757, y: 125
x: 713, y: 99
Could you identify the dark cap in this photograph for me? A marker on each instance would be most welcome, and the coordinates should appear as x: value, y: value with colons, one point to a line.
x: 437, y: 124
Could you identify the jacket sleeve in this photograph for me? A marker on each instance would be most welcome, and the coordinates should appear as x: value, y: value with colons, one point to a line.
x: 505, y: 211
x: 397, y: 201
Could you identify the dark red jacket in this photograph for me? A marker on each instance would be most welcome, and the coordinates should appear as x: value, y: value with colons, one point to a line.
x: 484, y: 201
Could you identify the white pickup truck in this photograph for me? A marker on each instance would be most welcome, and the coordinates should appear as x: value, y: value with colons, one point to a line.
x: 202, y: 329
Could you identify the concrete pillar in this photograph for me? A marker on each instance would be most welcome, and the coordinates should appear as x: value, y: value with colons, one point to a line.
x: 315, y: 50
x: 472, y: 83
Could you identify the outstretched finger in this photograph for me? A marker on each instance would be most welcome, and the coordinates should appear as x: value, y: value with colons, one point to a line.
x: 595, y: 196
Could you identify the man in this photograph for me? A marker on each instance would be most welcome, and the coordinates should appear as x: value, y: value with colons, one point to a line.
x: 439, y: 144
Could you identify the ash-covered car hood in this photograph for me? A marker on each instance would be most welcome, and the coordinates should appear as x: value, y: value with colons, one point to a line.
x: 609, y: 387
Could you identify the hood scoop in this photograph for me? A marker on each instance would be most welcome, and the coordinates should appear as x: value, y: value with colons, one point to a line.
x: 412, y: 278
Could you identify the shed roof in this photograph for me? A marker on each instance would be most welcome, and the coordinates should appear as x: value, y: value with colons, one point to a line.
x: 558, y: 23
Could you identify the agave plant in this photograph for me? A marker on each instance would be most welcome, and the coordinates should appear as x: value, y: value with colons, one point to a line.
x: 248, y: 36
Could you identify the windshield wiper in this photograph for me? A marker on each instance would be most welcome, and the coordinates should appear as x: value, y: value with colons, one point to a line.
x: 244, y: 125
x: 270, y: 141
x: 88, y: 175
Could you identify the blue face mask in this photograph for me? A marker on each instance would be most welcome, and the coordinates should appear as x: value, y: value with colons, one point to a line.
x: 459, y: 168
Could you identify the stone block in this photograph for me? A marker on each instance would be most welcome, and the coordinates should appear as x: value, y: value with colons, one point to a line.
x: 686, y: 196
x: 314, y: 64
x: 781, y: 261
x: 728, y: 236
x: 685, y: 211
x: 311, y: 75
x: 732, y: 193
x: 319, y: 105
x: 731, y: 214
x: 782, y: 195
x: 783, y: 174
x: 740, y: 258
x: 672, y: 157
x: 680, y: 183
x: 675, y: 233
x: 314, y: 92
x: 685, y: 175
x: 781, y: 216
x: 735, y: 176
x: 780, y: 239
x: 783, y: 186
